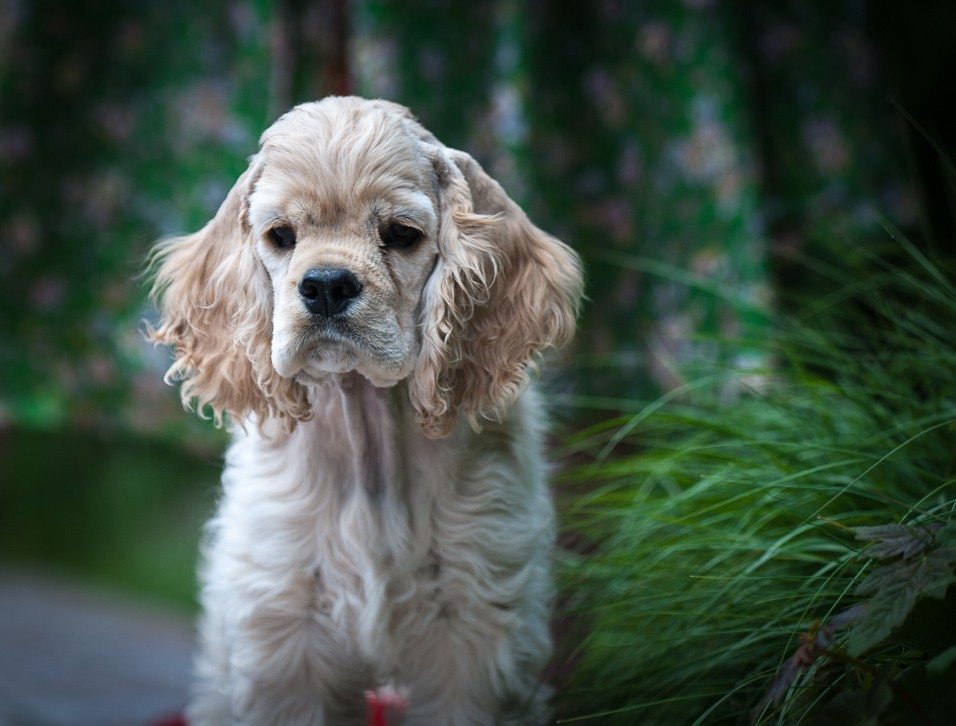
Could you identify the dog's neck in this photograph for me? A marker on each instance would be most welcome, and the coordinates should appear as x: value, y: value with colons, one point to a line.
x: 373, y: 421
x: 360, y: 439
x: 376, y: 464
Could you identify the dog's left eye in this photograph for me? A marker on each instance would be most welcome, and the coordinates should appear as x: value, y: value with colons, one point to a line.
x: 400, y: 235
x: 282, y: 237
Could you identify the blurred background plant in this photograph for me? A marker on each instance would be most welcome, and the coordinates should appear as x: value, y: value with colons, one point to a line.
x: 762, y: 368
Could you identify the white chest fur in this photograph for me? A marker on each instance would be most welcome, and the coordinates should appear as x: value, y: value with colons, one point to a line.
x: 355, y: 544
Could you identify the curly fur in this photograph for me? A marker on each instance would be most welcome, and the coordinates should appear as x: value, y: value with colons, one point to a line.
x: 363, y: 537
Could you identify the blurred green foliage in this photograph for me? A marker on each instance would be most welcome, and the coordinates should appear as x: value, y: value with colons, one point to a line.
x: 119, y: 122
x: 717, y: 137
x: 122, y: 510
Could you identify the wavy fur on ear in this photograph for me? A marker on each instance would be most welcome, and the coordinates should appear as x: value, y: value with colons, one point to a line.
x: 215, y: 301
x: 502, y: 291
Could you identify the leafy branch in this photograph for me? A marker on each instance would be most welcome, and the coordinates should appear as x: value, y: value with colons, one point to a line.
x: 915, y: 565
x: 914, y: 562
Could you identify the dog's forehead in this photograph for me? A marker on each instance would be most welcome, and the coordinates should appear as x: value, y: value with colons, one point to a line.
x: 340, y: 155
x: 347, y: 140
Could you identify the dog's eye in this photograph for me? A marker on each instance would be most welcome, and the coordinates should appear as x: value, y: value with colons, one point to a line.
x: 400, y: 235
x: 282, y: 237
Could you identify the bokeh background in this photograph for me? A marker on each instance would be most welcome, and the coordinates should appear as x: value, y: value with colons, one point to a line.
x: 668, y: 141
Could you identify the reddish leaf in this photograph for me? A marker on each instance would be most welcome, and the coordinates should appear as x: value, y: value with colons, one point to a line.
x: 895, y: 540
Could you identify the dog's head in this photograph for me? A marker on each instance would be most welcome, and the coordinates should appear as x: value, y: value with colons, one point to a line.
x: 356, y: 241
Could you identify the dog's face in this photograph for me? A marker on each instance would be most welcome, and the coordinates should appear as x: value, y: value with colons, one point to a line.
x: 356, y: 241
x: 347, y: 254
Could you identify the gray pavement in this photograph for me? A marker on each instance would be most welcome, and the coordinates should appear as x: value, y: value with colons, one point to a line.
x: 72, y: 656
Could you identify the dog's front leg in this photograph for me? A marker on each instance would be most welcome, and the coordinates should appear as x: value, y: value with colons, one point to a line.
x: 270, y: 651
x: 481, y: 667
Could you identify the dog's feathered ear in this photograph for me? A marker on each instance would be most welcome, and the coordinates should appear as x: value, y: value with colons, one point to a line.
x: 215, y: 302
x: 502, y: 291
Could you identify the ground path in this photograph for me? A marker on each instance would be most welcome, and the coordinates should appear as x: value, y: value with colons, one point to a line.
x: 71, y: 656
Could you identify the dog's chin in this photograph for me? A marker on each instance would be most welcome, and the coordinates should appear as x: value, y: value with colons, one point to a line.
x: 313, y: 365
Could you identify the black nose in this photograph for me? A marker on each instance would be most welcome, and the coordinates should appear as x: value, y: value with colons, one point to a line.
x: 328, y: 291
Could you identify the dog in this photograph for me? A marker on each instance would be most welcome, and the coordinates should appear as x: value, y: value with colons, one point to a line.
x: 364, y: 309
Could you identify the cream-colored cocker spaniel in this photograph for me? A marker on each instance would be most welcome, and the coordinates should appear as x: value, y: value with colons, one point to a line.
x: 364, y: 306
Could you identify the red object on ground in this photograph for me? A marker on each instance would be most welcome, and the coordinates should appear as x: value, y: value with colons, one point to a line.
x: 376, y: 710
x: 379, y: 704
x: 175, y: 720
x: 386, y: 700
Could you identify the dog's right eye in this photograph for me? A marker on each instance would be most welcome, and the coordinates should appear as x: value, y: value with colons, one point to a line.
x: 401, y: 236
x: 282, y: 237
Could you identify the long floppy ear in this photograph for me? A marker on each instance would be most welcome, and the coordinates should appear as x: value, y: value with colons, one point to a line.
x: 215, y: 301
x: 502, y: 291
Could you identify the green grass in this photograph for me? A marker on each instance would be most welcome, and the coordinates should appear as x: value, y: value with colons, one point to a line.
x: 715, y: 529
